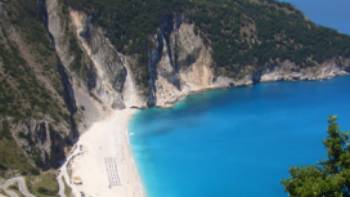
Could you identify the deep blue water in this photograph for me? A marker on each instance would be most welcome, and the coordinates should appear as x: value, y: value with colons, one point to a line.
x: 237, y: 142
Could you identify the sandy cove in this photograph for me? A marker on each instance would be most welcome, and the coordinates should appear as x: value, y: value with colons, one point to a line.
x: 102, y: 163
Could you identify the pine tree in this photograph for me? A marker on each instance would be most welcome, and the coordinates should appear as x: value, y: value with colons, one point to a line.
x: 330, y: 178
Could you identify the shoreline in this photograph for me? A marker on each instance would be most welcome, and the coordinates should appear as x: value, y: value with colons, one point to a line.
x: 241, y: 84
x: 95, y: 159
x: 102, y: 163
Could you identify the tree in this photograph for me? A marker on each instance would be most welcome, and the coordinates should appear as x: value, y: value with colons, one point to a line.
x: 330, y: 178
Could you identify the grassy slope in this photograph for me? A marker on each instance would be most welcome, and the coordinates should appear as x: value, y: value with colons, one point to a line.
x: 44, y: 185
x: 11, y: 156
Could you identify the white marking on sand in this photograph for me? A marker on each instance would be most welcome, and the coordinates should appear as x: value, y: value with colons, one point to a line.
x: 105, y: 165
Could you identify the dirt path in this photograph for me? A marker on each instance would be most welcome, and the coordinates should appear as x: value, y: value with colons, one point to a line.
x: 22, y: 187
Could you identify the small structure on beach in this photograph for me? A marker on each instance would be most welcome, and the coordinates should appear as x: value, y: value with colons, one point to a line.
x: 77, y: 180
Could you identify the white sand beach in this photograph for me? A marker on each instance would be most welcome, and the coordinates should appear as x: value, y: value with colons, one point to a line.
x: 102, y: 164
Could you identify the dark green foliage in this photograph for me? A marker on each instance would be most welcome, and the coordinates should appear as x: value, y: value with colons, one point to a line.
x: 337, y: 145
x: 332, y: 177
x: 5, y: 132
x: 280, y: 32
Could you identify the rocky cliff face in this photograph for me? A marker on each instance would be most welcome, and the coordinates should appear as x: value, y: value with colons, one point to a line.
x: 44, y: 140
x: 89, y: 75
x: 179, y: 62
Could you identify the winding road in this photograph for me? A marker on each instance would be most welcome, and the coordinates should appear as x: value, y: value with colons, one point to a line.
x: 22, y: 187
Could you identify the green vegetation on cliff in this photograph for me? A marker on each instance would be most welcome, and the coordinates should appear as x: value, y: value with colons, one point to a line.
x: 30, y: 88
x: 244, y: 32
x: 28, y: 62
x: 241, y: 32
x: 331, y: 178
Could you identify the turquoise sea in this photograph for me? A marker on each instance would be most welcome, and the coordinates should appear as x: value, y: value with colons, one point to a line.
x: 240, y: 142
x: 236, y: 142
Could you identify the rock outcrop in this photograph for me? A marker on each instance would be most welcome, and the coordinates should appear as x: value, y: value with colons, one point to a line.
x: 44, y: 140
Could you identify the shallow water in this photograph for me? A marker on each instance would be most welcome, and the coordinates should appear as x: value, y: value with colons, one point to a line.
x: 236, y: 142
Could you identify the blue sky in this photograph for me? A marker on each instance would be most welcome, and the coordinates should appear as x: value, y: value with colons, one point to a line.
x: 330, y: 13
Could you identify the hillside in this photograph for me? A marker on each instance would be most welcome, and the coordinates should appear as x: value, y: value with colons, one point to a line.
x: 66, y: 64
x: 34, y: 103
x: 240, y: 32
